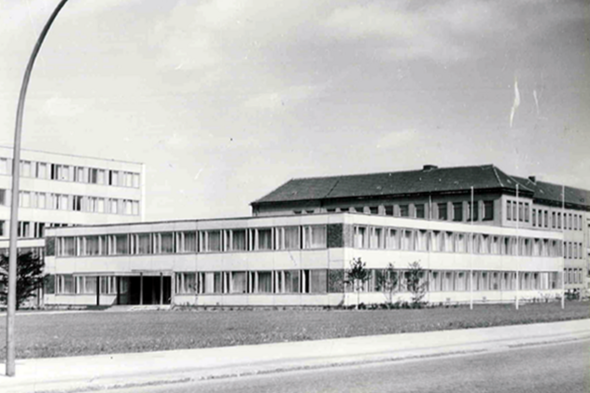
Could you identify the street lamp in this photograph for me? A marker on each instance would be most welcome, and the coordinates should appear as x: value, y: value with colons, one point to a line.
x: 12, y: 258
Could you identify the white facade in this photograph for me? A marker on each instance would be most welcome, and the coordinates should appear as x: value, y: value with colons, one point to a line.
x: 65, y: 190
x: 296, y: 260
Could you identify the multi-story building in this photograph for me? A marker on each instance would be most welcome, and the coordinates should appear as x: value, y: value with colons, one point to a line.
x: 58, y: 190
x: 474, y: 230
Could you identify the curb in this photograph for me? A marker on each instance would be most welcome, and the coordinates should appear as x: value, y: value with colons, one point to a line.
x: 195, y: 375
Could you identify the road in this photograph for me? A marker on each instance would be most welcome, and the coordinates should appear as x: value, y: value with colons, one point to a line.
x: 549, y: 368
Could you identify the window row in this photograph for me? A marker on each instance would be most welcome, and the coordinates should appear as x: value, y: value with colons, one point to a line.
x: 29, y: 229
x: 227, y: 240
x: 574, y: 276
x: 89, y: 204
x: 271, y: 281
x: 543, y: 218
x: 67, y: 284
x: 456, y: 242
x: 573, y: 250
x: 454, y: 211
x: 517, y: 211
x: 78, y: 174
x: 457, y: 281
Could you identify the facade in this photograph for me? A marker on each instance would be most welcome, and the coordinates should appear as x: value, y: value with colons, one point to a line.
x: 475, y: 231
x: 58, y: 190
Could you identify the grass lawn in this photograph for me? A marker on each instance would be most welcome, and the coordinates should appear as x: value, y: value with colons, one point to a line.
x: 88, y: 333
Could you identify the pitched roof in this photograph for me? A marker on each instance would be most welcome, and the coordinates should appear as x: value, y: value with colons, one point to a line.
x: 427, y: 180
x: 552, y: 193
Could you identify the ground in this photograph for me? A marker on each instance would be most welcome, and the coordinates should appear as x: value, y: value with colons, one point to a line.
x: 85, y: 333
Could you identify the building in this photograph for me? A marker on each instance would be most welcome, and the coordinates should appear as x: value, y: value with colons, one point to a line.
x: 59, y: 190
x: 475, y: 231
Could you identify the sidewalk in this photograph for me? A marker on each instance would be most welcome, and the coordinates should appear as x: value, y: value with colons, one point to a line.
x: 87, y: 373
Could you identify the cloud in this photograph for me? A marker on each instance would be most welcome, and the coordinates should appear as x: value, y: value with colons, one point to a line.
x: 436, y: 32
x: 62, y: 107
x: 284, y: 98
x: 397, y: 139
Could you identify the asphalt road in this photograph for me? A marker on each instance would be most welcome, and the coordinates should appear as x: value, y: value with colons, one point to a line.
x: 548, y: 368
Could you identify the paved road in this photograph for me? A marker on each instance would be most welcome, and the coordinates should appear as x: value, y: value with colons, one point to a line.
x: 548, y: 368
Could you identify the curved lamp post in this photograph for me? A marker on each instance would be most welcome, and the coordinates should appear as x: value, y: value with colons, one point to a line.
x: 10, y: 314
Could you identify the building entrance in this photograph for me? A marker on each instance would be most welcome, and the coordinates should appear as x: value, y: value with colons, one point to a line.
x: 138, y: 290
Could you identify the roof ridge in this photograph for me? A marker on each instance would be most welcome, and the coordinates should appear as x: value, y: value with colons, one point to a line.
x: 388, y: 172
x: 497, y: 176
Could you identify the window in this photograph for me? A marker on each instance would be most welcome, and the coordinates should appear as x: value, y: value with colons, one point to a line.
x: 167, y: 243
x: 420, y: 212
x: 108, y: 285
x: 92, y: 245
x: 291, y: 238
x: 488, y: 210
x: 25, y: 199
x: 67, y: 246
x: 4, y: 166
x: 143, y: 243
x: 291, y: 281
x: 238, y: 282
x: 360, y: 237
x: 264, y: 282
x: 404, y: 210
x: 264, y: 239
x: 553, y: 220
x: 520, y: 212
x: 136, y: 180
x: 509, y: 210
x: 442, y: 211
x: 238, y: 240
x: 526, y: 213
x: 213, y: 241
x: 65, y: 284
x: 546, y: 216
x: 314, y: 236
x: 189, y: 241
x: 457, y: 211
x: 121, y: 244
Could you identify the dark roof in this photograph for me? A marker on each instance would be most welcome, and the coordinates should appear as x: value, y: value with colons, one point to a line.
x: 429, y: 180
x: 552, y: 193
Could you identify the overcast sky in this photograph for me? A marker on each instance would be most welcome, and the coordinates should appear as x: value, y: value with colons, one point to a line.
x: 225, y: 100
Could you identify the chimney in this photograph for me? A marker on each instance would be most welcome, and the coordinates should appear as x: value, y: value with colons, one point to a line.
x: 533, y: 179
x: 429, y: 167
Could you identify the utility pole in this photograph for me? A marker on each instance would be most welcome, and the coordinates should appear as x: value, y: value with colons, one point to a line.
x: 12, y: 258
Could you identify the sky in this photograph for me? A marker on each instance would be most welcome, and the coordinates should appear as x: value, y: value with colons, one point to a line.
x: 225, y: 100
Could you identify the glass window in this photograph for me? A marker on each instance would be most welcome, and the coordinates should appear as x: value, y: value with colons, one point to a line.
x: 143, y: 243
x: 264, y: 239
x: 167, y: 245
x: 239, y: 282
x: 442, y: 211
x: 420, y: 212
x: 264, y: 282
x: 315, y: 236
x: 291, y: 241
x: 457, y: 211
x: 238, y: 240
x: 121, y: 244
x: 509, y: 210
x: 292, y: 281
x: 92, y: 245
x: 404, y: 210
x: 488, y: 210
x: 190, y: 241
x: 214, y: 241
x: 136, y: 180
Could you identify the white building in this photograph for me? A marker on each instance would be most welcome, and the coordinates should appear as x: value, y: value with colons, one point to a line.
x: 58, y: 190
x: 474, y: 230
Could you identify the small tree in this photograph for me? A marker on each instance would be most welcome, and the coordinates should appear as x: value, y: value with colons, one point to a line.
x: 29, y: 277
x: 415, y: 284
x: 357, y: 275
x: 388, y: 281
